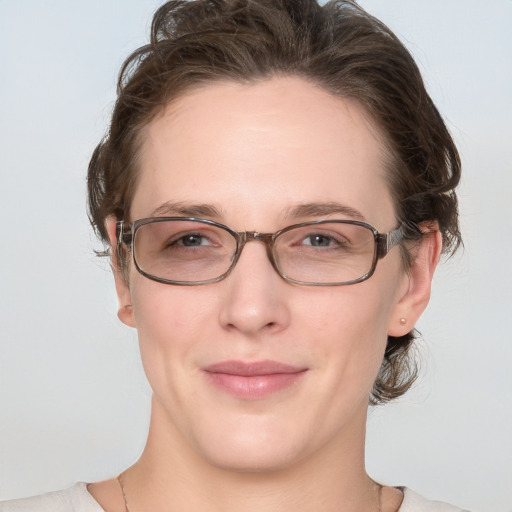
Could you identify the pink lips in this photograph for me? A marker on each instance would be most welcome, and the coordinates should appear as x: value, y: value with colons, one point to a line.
x: 253, y: 381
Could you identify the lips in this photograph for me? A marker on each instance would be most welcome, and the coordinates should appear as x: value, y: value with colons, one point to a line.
x: 253, y: 381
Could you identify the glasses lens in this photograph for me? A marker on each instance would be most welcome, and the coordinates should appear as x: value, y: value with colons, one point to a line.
x: 183, y: 251
x: 323, y: 253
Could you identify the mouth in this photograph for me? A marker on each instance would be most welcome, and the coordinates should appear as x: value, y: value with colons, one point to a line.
x: 253, y: 381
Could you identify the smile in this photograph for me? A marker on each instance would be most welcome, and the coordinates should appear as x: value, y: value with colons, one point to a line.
x: 253, y: 381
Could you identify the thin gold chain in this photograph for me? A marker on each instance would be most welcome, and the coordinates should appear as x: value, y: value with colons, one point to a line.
x: 120, y: 480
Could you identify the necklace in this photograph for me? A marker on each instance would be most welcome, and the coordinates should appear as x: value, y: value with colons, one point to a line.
x: 121, y: 476
x: 120, y: 480
x: 379, y: 491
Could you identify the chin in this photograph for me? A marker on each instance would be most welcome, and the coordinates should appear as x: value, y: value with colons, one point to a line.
x: 253, y: 448
x: 249, y: 460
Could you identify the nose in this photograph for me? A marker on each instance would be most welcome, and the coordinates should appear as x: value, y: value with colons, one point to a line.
x: 255, y: 297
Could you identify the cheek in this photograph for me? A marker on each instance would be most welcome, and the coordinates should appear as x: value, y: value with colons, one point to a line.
x: 171, y: 324
x: 165, y: 311
x: 356, y: 312
x: 351, y: 326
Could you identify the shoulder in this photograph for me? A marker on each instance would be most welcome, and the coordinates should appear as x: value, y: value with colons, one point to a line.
x: 413, y: 502
x: 74, y: 499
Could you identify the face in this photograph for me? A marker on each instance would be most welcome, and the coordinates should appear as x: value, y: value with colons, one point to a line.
x: 253, y: 372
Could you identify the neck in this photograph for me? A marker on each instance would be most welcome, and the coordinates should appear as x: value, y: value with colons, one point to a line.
x: 171, y: 476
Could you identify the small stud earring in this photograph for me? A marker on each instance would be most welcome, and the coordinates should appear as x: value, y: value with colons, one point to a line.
x: 403, y: 321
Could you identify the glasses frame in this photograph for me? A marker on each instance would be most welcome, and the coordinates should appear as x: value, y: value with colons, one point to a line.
x: 384, y: 242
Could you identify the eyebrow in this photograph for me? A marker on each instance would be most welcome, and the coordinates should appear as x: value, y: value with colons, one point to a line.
x: 322, y: 210
x: 183, y: 209
x: 201, y: 210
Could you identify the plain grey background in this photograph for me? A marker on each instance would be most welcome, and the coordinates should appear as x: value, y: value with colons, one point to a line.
x: 73, y: 399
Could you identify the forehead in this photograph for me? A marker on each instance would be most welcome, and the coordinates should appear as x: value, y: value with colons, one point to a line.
x: 266, y: 147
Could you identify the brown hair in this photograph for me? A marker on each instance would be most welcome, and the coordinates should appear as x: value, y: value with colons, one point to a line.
x: 338, y: 47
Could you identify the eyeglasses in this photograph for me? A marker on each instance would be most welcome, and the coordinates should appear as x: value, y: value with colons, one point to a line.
x: 190, y: 251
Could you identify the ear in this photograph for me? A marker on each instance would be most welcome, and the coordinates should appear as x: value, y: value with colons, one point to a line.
x: 415, y: 293
x: 125, y: 310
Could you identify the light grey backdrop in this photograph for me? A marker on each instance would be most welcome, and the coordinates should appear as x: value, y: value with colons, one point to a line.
x: 73, y: 400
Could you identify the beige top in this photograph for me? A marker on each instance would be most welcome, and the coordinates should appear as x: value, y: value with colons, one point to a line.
x: 78, y: 499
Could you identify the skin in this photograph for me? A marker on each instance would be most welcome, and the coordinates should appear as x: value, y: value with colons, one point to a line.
x: 254, y: 152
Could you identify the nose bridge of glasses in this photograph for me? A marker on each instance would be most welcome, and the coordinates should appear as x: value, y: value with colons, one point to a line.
x: 255, y: 236
x: 250, y: 236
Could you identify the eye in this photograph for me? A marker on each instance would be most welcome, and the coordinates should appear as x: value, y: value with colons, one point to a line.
x: 319, y: 240
x: 331, y: 240
x: 192, y: 240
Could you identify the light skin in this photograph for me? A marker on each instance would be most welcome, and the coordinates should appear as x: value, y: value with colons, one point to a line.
x: 255, y: 155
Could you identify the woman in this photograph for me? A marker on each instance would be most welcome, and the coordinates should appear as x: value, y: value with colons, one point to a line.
x: 276, y: 189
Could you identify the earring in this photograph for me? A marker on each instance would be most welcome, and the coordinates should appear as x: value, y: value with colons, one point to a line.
x: 403, y: 321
